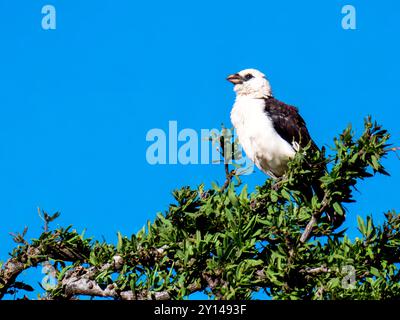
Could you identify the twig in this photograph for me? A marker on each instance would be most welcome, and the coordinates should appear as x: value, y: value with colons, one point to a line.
x: 20, y: 237
x: 229, y: 177
x: 47, y: 218
x: 228, y: 174
x: 317, y: 270
x: 307, y: 231
x: 226, y: 166
x: 313, y: 221
x: 394, y: 149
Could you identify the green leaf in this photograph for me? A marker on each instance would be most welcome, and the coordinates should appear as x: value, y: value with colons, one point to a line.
x: 243, y: 194
x: 120, y: 241
x: 63, y: 271
x: 361, y: 225
x: 374, y: 271
x: 338, y: 208
x: 215, y: 186
x: 285, y: 194
x: 314, y: 202
x: 274, y: 196
x: 232, y: 197
x: 198, y: 236
x: 375, y: 163
x: 326, y: 179
x: 229, y: 215
x: 92, y: 258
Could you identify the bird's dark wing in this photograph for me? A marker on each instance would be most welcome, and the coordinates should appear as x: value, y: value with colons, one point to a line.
x: 288, y: 122
x: 292, y: 127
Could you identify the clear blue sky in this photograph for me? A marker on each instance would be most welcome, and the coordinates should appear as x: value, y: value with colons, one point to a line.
x: 76, y: 102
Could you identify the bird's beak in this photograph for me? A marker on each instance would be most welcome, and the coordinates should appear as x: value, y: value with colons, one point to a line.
x: 235, y: 78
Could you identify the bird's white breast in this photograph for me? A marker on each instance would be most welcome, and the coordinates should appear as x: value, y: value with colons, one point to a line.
x: 256, y: 133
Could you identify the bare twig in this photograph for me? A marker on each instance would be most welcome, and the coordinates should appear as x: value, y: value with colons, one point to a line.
x: 20, y: 237
x: 47, y: 218
x: 394, y: 149
x: 229, y: 176
x: 317, y: 270
x: 307, y: 231
x: 313, y: 221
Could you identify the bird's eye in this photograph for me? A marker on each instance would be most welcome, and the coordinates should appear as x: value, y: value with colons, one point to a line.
x: 248, y: 76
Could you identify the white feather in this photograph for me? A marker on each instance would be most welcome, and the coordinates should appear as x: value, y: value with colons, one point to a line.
x: 256, y: 133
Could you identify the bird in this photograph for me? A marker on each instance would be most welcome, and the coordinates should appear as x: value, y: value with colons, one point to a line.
x: 270, y: 131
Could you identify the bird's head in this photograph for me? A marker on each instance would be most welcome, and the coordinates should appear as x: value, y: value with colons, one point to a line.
x: 250, y: 83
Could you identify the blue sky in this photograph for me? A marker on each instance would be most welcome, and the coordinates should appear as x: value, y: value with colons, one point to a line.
x: 77, y: 102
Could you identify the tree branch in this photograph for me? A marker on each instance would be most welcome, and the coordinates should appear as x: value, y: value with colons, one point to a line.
x: 14, y: 266
x: 317, y: 270
x: 82, y: 285
x: 307, y: 231
x: 314, y: 219
x: 80, y: 282
x: 229, y: 176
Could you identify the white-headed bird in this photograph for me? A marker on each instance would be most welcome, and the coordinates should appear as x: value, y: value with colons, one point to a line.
x: 269, y: 130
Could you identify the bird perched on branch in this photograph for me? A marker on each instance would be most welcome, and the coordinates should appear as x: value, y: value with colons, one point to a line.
x: 270, y: 131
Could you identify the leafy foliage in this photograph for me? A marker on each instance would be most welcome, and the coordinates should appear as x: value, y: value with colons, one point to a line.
x: 229, y: 244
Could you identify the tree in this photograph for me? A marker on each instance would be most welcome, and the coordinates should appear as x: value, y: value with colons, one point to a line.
x: 228, y: 243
